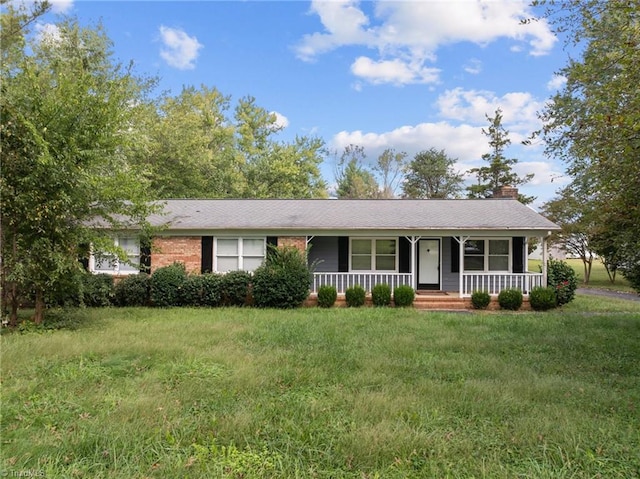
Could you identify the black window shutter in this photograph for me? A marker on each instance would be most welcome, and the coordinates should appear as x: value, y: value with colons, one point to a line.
x: 83, y: 257
x: 145, y: 257
x: 455, y: 255
x: 404, y: 255
x: 519, y: 256
x: 272, y: 242
x: 343, y: 254
x: 206, y: 257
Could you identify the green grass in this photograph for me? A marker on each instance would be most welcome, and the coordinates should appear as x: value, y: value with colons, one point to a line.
x: 310, y: 393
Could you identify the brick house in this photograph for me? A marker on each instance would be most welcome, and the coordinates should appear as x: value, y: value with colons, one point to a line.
x: 449, y: 246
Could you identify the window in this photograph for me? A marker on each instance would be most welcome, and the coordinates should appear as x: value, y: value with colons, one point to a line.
x: 372, y: 254
x: 233, y: 254
x: 487, y: 255
x: 109, y: 263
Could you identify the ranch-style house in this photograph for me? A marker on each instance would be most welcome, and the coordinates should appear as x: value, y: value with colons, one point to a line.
x: 453, y: 247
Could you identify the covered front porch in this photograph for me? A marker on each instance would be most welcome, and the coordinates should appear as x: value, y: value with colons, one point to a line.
x: 454, y: 265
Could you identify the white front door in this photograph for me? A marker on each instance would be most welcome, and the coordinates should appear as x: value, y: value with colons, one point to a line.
x: 429, y: 263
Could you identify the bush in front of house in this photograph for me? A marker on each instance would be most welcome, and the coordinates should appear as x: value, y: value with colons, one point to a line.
x: 98, y: 290
x: 355, y: 296
x: 327, y: 296
x: 166, y: 285
x: 211, y: 289
x: 235, y: 288
x: 381, y: 295
x: 283, y: 280
x: 133, y: 290
x: 562, y: 278
x: 510, y: 299
x: 543, y: 299
x: 403, y: 296
x: 192, y: 291
x: 480, y: 299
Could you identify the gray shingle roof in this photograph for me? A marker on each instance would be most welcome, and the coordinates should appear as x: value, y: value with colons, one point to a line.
x: 327, y: 214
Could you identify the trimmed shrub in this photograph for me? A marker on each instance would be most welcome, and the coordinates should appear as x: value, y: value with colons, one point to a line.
x: 510, y: 299
x: 192, y: 291
x: 562, y: 278
x: 480, y: 299
x: 98, y: 290
x: 327, y: 296
x: 403, y: 296
x: 283, y: 280
x: 211, y: 289
x: 381, y: 295
x: 543, y: 299
x: 166, y: 285
x: 133, y: 290
x: 355, y: 296
x: 235, y: 288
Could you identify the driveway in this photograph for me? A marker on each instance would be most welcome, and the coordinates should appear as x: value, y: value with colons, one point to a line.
x: 608, y: 293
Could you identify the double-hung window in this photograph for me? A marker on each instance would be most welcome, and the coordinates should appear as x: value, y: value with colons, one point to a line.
x: 373, y: 254
x: 487, y: 254
x: 233, y: 254
x: 109, y: 263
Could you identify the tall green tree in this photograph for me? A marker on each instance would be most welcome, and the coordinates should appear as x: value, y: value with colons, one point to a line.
x: 274, y: 169
x: 192, y: 151
x: 67, y: 114
x: 499, y: 171
x: 574, y: 214
x: 593, y: 122
x: 390, y: 167
x: 353, y: 179
x: 432, y: 174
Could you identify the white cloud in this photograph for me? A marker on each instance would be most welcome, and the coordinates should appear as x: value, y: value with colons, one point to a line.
x: 281, y: 121
x: 180, y: 50
x: 394, y: 71
x: 410, y: 33
x: 557, y: 82
x: 473, y: 66
x: 61, y: 6
x: 519, y: 109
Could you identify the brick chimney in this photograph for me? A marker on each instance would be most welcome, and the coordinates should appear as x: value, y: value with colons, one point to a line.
x: 506, y: 192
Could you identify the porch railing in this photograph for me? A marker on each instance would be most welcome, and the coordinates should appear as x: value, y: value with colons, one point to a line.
x: 493, y: 283
x: 342, y: 281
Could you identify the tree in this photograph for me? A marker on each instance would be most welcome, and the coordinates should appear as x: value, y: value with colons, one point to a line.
x: 390, y: 167
x: 592, y: 123
x: 192, y: 147
x: 66, y: 132
x: 500, y: 170
x: 571, y: 212
x: 274, y: 169
x: 353, y: 179
x: 431, y: 174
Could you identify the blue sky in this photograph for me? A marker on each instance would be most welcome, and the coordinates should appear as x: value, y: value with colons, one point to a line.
x: 386, y: 74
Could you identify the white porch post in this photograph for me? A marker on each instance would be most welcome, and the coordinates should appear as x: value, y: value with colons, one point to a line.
x: 461, y: 241
x: 414, y: 277
x: 545, y: 258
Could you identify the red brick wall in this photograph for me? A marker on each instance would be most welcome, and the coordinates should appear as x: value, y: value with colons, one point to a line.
x: 299, y: 242
x: 182, y: 249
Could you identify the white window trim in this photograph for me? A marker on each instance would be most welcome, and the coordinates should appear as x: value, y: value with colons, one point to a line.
x: 486, y: 255
x: 240, y: 255
x: 115, y: 271
x: 373, y: 254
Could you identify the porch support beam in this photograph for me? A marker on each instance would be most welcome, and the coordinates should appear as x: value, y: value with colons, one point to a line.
x: 461, y: 241
x: 545, y: 258
x: 414, y: 277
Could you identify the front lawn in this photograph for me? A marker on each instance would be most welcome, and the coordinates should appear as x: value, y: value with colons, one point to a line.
x: 310, y: 393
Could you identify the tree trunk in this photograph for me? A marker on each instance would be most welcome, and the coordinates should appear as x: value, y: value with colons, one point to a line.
x: 38, y: 317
